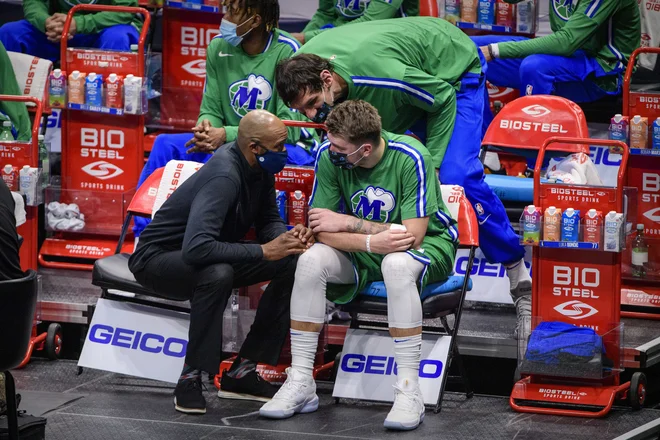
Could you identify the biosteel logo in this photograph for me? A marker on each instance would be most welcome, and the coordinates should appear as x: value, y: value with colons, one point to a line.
x: 102, y: 170
x: 576, y: 309
x: 194, y: 41
x: 536, y: 110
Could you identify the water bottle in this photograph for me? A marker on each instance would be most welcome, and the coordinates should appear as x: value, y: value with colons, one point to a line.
x: 44, y: 161
x: 640, y: 254
x: 6, y: 134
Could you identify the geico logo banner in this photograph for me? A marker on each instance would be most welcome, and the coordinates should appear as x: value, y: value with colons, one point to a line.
x: 136, y: 340
x: 370, y: 364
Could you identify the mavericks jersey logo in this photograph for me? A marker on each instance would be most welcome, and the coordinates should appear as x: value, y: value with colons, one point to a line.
x: 352, y: 8
x: 564, y: 8
x: 373, y: 204
x: 250, y: 94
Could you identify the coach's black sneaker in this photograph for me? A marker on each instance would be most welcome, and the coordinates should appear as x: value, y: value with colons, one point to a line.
x: 188, y: 397
x: 250, y: 386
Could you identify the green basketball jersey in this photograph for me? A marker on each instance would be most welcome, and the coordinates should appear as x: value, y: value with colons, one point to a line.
x: 340, y: 12
x: 237, y: 83
x: 403, y: 185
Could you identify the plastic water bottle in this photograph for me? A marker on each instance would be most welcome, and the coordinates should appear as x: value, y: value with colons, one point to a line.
x: 44, y: 161
x: 640, y: 253
x: 6, y: 134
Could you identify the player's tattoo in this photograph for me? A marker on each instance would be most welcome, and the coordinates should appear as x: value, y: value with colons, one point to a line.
x: 360, y: 226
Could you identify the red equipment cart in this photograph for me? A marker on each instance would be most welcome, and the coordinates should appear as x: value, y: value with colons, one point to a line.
x: 579, y: 284
x: 102, y: 152
x: 19, y: 154
x: 640, y: 298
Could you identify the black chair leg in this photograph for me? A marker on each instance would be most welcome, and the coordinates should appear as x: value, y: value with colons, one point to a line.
x: 463, y: 372
x: 12, y: 411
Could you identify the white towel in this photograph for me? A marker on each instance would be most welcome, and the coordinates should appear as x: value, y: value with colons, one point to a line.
x: 19, y: 210
x: 176, y: 172
x: 576, y: 168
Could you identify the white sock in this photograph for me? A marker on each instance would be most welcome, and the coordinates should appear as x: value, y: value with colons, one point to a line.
x: 303, y: 350
x: 407, y: 354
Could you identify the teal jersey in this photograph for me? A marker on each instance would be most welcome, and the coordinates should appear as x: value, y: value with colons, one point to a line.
x: 237, y: 83
x: 402, y: 186
x: 341, y: 12
x: 408, y: 68
x: 15, y: 111
x: 607, y: 30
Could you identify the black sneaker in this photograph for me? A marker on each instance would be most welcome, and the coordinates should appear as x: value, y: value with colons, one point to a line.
x: 249, y: 387
x: 188, y: 397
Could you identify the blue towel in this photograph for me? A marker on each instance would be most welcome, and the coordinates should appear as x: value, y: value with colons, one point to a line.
x: 557, y: 342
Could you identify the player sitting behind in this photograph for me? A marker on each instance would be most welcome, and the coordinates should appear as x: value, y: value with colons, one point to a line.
x: 397, y: 231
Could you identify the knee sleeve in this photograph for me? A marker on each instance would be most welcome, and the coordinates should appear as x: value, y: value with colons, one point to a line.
x: 401, y: 272
x: 318, y: 266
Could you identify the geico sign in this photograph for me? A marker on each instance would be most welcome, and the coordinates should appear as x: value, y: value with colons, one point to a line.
x: 101, y: 143
x: 543, y: 127
x: 385, y: 365
x: 136, y: 340
x: 575, y: 282
x: 195, y: 40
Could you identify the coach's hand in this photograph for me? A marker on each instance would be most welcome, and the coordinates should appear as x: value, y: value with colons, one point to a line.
x: 392, y: 240
x: 283, y: 246
x: 304, y: 234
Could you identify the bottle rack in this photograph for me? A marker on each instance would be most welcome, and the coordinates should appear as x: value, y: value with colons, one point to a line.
x: 492, y: 16
x: 101, y: 155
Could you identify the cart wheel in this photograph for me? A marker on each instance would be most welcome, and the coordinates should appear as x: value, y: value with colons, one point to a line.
x: 637, y: 393
x: 54, y: 341
x: 335, y: 367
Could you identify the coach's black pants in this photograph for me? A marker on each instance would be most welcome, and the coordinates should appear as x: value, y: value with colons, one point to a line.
x: 209, y: 288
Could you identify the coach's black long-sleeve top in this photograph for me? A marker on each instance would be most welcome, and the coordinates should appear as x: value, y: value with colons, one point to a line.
x: 211, y: 211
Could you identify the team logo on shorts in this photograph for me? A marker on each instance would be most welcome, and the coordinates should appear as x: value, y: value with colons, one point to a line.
x: 564, y: 8
x: 250, y: 94
x: 373, y: 204
x: 352, y: 8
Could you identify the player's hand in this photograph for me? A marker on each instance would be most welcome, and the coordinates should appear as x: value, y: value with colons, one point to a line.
x: 304, y: 234
x: 324, y: 220
x: 484, y: 50
x: 392, y: 240
x: 283, y: 246
x: 54, y: 27
x: 299, y: 36
x: 207, y: 141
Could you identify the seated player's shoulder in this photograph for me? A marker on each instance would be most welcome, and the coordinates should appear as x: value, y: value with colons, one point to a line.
x: 218, y: 45
x: 410, y: 146
x: 285, y: 42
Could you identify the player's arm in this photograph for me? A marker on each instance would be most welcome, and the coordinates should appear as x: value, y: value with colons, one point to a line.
x: 94, y: 23
x: 438, y: 99
x: 579, y: 29
x: 420, y: 197
x: 17, y: 111
x: 212, y: 97
x: 269, y: 225
x: 36, y: 13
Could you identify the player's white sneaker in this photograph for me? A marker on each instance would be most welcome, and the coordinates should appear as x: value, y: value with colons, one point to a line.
x: 408, y: 409
x: 297, y: 395
x: 521, y: 291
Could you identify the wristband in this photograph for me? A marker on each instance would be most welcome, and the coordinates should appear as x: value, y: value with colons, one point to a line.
x: 368, y: 243
x: 494, y: 50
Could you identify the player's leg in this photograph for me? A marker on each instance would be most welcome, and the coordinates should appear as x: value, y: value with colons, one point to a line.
x: 117, y: 37
x: 461, y: 166
x: 499, y: 72
x: 166, y: 147
x: 318, y: 266
x: 569, y: 77
x: 401, y: 273
x: 21, y: 36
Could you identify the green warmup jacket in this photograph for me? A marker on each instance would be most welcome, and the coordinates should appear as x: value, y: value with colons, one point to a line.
x: 237, y: 83
x: 340, y: 12
x: 37, y: 11
x: 16, y: 111
x: 408, y: 68
x: 608, y: 30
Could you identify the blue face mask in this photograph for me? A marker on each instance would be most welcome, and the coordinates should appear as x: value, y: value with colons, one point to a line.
x: 228, y: 32
x: 272, y: 161
x: 322, y: 112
